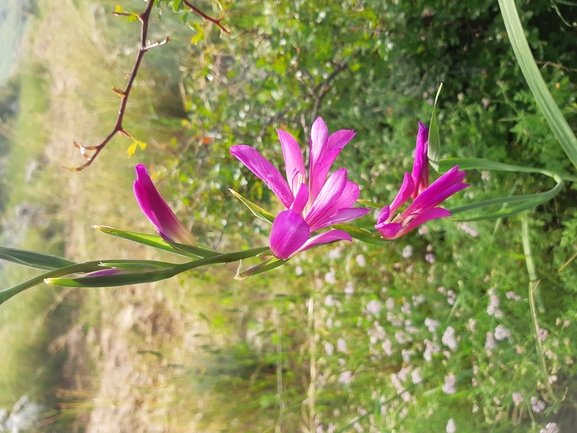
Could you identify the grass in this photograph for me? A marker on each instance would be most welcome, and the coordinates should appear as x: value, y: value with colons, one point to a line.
x: 63, y: 100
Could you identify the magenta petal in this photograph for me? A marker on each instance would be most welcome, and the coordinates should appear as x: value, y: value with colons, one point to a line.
x: 267, y: 172
x: 429, y: 201
x: 145, y: 193
x: 404, y: 193
x: 157, y: 211
x: 322, y: 166
x: 346, y: 200
x: 293, y: 159
x: 331, y: 192
x: 319, y: 172
x: 289, y: 233
x: 383, y: 216
x: 341, y: 216
x: 105, y: 272
x: 420, y: 172
x: 301, y: 199
x: 389, y: 231
x: 428, y: 215
x: 325, y: 238
x: 319, y: 138
x: 445, y: 186
x: 339, y: 139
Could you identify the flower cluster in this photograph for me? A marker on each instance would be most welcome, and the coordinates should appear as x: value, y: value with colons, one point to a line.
x: 315, y: 200
x: 425, y: 198
x: 312, y: 200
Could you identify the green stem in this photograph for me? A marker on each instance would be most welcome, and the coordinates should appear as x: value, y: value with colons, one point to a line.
x: 80, y: 267
x: 165, y: 272
x: 533, y: 285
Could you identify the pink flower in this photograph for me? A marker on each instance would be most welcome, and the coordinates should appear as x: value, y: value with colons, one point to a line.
x: 425, y: 197
x: 313, y: 202
x: 157, y: 211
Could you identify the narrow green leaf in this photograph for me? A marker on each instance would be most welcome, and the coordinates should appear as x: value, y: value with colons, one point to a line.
x: 529, y: 202
x: 254, y: 208
x: 32, y: 259
x: 142, y: 265
x: 496, y: 202
x: 158, y: 243
x: 166, y: 270
x: 363, y: 235
x: 121, y: 279
x: 198, y: 251
x: 485, y: 164
x: 543, y: 97
x: 434, y: 150
x: 265, y: 266
x: 240, y: 255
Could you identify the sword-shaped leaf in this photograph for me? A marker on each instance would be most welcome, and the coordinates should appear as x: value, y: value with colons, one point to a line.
x: 257, y: 211
x: 32, y: 259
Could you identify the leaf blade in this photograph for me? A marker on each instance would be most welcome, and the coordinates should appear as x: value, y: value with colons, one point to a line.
x: 543, y: 97
x: 33, y: 259
x: 256, y: 210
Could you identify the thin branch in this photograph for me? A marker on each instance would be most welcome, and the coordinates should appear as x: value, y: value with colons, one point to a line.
x: 200, y: 13
x: 318, y: 93
x: 91, y: 152
x: 323, y: 87
x: 555, y: 65
x: 270, y: 120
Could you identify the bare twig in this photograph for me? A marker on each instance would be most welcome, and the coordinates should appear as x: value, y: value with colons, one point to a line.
x: 215, y: 21
x: 318, y: 93
x: 555, y: 65
x: 91, y: 152
x: 323, y: 87
x: 272, y: 119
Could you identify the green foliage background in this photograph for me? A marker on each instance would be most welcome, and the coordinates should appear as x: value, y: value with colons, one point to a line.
x: 304, y: 347
x: 374, y: 67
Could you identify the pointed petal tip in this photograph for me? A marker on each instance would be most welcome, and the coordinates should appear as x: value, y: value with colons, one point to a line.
x: 319, y: 121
